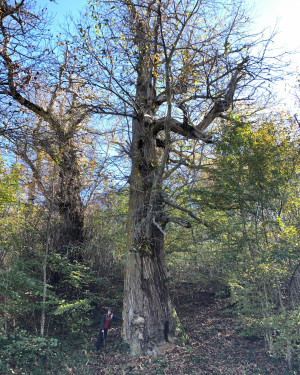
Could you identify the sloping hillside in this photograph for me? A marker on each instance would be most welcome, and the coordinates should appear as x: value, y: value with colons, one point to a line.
x: 215, y: 347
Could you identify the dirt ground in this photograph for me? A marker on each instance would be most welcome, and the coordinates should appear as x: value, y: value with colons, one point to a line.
x: 215, y: 347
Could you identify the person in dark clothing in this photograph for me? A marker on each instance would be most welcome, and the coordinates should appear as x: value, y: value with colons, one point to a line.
x: 104, y: 326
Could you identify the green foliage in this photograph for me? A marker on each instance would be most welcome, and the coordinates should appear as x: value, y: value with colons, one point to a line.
x: 74, y: 314
x: 23, y: 353
x: 74, y: 292
x: 9, y: 185
x: 249, y: 197
x: 79, y: 290
x: 283, y: 332
x: 21, y: 296
x: 10, y: 210
x: 106, y: 233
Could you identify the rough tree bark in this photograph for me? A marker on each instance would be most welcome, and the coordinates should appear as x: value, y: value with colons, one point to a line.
x: 173, y: 67
x: 149, y: 313
x: 69, y: 203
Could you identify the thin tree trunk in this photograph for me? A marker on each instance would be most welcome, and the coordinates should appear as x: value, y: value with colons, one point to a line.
x: 6, y: 307
x: 43, y: 313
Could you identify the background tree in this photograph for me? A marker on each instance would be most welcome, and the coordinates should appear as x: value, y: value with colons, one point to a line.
x: 43, y: 97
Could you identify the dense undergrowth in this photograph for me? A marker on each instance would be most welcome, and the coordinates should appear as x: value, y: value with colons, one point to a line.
x: 217, y: 345
x: 247, y: 254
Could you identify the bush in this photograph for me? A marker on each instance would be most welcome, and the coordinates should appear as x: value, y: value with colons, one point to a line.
x: 23, y: 353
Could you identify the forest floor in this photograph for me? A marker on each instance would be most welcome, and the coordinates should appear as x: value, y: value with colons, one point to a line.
x: 215, y: 347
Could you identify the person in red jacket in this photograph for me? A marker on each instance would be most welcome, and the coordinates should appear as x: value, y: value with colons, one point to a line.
x: 104, y: 326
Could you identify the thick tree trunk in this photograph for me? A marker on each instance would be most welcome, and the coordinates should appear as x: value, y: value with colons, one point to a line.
x: 150, y: 317
x: 69, y: 235
x: 146, y: 302
x: 70, y: 207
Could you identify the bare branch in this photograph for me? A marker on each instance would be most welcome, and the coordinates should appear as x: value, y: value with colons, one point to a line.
x: 183, y: 209
x: 178, y: 220
x: 222, y: 105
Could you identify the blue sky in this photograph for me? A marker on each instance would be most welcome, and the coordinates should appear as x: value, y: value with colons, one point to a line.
x: 266, y: 14
x: 286, y: 14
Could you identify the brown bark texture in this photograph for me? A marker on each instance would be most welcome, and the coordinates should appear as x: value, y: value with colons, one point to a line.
x: 149, y: 313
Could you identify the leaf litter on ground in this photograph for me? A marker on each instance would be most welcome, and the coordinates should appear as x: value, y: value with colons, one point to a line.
x: 214, y: 347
